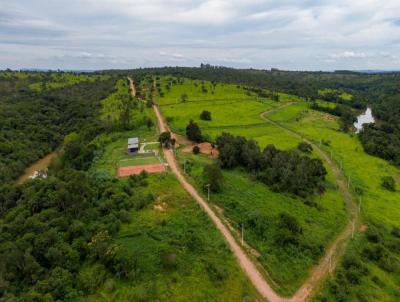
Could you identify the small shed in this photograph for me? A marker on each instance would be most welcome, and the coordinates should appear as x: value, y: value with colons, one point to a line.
x: 133, y: 145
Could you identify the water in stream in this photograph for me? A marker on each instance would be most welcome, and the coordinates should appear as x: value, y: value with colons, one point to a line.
x: 365, y: 118
x: 40, y: 165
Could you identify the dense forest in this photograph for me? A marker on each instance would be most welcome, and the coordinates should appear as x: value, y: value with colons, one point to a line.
x: 34, y: 123
x: 50, y: 227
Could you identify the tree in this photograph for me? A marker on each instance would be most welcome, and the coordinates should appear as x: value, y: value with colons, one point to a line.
x: 205, y: 115
x: 165, y: 139
x: 149, y: 123
x: 193, y: 132
x: 184, y: 97
x: 196, y: 150
x: 212, y: 175
x: 389, y: 183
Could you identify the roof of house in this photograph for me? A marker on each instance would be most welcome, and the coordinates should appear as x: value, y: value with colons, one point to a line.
x: 133, y: 142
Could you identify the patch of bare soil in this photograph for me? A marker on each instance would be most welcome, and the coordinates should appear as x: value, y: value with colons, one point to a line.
x: 181, y: 140
x: 363, y: 228
x: 205, y: 148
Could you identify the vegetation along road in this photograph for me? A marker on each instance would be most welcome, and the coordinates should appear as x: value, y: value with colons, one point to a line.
x: 328, y: 262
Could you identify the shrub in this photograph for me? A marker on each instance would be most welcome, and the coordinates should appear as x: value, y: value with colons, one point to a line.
x: 388, y: 183
x: 304, y: 147
x: 193, y: 132
x: 196, y: 150
x: 212, y: 175
x: 205, y: 115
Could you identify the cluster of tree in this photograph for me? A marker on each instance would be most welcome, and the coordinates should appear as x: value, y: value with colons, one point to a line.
x: 383, y: 139
x: 283, y: 171
x: 166, y: 140
x: 205, y: 115
x: 34, y: 123
x: 347, y: 116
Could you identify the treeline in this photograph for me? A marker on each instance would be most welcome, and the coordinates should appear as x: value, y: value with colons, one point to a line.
x: 33, y: 124
x: 383, y: 139
x: 347, y: 116
x: 283, y: 171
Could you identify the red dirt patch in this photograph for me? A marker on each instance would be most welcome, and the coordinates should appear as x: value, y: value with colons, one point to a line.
x: 152, y: 168
x: 205, y: 148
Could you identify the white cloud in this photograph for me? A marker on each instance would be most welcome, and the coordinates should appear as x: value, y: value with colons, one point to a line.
x: 349, y: 55
x: 258, y: 33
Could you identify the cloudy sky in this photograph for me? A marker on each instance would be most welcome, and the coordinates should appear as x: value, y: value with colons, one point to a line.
x: 287, y: 34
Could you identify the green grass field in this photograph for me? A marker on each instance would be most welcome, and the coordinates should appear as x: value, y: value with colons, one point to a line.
x: 236, y: 112
x: 343, y: 95
x: 59, y: 80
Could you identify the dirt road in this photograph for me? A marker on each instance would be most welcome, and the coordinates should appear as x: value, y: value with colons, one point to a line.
x: 336, y: 249
x: 247, y: 265
x: 132, y: 86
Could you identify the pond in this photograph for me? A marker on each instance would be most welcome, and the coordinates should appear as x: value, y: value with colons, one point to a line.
x: 365, y: 118
x: 33, y: 170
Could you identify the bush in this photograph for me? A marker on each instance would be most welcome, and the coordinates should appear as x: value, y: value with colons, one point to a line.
x: 196, y: 150
x: 212, y: 175
x: 304, y: 147
x: 193, y: 132
x: 205, y: 115
x: 388, y: 183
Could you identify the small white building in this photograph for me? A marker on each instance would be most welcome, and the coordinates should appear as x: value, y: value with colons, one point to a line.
x: 133, y: 145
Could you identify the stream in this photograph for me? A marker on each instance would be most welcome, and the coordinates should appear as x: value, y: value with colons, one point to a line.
x: 40, y: 165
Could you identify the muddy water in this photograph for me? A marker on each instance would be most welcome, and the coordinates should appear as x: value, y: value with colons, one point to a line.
x: 40, y: 165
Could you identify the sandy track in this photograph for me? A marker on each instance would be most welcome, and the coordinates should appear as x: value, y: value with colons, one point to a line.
x: 132, y: 87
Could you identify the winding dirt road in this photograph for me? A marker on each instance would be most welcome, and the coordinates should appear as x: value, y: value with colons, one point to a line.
x: 336, y: 249
x: 132, y: 87
x: 326, y: 263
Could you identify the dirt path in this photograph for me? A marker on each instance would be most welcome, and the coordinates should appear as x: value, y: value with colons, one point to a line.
x: 247, y: 265
x: 132, y: 86
x: 336, y: 249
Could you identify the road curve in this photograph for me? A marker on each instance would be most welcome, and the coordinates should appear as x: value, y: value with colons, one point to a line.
x: 335, y: 250
x: 246, y: 264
